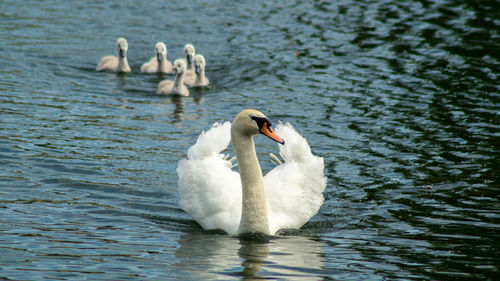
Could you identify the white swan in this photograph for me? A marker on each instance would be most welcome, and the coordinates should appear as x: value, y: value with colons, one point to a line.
x: 158, y: 63
x: 219, y: 198
x: 116, y: 63
x: 177, y: 87
x: 198, y: 79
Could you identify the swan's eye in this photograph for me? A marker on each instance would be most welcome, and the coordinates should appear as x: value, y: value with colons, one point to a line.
x: 261, y: 121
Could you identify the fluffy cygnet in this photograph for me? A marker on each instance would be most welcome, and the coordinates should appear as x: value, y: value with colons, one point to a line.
x: 158, y: 63
x: 116, y: 63
x: 176, y: 87
x: 198, y: 79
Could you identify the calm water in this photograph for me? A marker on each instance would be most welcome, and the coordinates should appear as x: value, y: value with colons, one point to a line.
x: 401, y: 99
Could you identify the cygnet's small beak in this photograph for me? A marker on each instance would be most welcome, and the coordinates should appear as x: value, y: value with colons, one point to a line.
x: 123, y: 53
x: 189, y: 58
x: 159, y: 57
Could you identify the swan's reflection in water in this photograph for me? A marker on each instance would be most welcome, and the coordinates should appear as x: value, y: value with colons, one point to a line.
x: 197, y: 95
x: 216, y: 257
x: 179, y: 103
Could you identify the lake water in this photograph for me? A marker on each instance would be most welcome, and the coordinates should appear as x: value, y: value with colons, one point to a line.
x: 400, y: 98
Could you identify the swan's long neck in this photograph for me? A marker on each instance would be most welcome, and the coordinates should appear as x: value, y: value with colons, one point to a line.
x: 254, y: 210
x: 190, y: 66
x: 179, y: 80
x: 200, y: 78
x: 162, y: 64
x: 123, y: 64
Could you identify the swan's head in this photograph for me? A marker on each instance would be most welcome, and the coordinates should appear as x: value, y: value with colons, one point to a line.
x: 189, y: 53
x: 251, y: 122
x: 179, y: 67
x: 160, y: 51
x: 122, y: 47
x: 199, y: 63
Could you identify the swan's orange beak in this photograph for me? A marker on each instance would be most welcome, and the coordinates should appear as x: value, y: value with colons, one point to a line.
x: 267, y: 130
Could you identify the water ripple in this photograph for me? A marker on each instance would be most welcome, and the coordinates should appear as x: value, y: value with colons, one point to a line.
x: 401, y: 99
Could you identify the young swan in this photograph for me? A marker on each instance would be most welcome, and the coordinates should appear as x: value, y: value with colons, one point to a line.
x: 158, y: 63
x: 199, y: 79
x: 189, y: 53
x: 177, y: 87
x: 116, y: 63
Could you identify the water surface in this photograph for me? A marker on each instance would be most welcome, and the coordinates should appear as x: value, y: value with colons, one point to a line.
x: 400, y: 98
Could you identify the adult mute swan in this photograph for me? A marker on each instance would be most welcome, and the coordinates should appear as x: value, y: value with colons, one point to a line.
x: 197, y: 78
x: 239, y: 203
x: 158, y: 63
x: 177, y: 87
x: 116, y: 63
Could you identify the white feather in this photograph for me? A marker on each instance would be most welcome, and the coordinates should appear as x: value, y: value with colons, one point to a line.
x: 294, y: 189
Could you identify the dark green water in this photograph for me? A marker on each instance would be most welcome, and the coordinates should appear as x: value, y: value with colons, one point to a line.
x: 401, y: 99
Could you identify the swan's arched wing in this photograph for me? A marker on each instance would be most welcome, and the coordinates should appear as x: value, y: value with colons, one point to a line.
x: 294, y: 189
x: 209, y: 190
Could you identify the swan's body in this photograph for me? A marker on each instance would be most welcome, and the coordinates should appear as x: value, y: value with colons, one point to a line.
x: 219, y: 198
x: 116, y: 63
x: 158, y: 63
x: 197, y: 78
x: 176, y: 87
